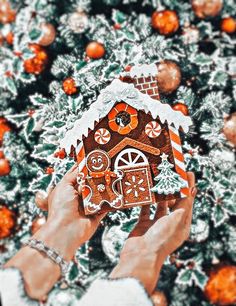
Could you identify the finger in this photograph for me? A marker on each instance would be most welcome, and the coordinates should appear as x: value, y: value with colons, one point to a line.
x: 71, y: 177
x: 161, y: 210
x: 171, y: 203
x: 144, y: 213
x: 186, y: 203
x: 41, y: 199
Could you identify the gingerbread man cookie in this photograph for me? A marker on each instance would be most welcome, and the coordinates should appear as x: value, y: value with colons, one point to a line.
x: 101, y: 182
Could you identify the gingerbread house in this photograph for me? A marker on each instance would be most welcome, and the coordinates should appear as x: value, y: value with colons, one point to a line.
x: 124, y: 140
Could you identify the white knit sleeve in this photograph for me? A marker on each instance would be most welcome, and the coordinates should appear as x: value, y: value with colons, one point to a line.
x: 120, y: 292
x: 12, y: 291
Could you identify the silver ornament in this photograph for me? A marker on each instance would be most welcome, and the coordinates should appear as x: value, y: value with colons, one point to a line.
x: 199, y: 231
x: 190, y: 35
x: 113, y: 239
x: 78, y: 22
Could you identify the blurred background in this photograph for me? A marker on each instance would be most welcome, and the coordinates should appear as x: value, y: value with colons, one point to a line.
x: 55, y: 57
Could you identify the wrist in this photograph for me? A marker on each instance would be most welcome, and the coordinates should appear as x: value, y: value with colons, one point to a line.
x: 59, y: 236
x: 142, y: 264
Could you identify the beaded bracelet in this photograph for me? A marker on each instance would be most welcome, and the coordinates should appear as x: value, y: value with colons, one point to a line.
x: 51, y: 253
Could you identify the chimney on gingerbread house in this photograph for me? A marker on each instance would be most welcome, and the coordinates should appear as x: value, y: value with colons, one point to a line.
x: 145, y: 79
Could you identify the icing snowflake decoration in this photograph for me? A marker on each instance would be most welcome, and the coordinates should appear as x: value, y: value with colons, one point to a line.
x: 134, y: 186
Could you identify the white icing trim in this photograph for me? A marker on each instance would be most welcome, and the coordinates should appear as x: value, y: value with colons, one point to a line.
x: 119, y: 91
x: 143, y: 70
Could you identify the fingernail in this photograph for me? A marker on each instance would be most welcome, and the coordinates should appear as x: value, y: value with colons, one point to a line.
x: 193, y: 191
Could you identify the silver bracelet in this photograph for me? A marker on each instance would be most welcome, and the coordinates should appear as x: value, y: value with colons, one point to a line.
x: 51, y: 253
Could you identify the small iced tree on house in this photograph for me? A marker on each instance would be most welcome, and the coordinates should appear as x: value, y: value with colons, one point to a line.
x: 169, y: 181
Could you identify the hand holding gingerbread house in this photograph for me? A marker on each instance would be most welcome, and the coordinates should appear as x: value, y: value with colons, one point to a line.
x: 126, y: 143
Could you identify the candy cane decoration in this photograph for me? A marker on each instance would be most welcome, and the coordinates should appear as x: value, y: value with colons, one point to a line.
x: 102, y: 136
x: 153, y: 129
x: 82, y: 169
x: 178, y: 158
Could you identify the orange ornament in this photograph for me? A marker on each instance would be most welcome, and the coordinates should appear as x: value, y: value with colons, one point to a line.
x: 95, y: 50
x: 10, y: 38
x: 37, y: 223
x: 7, y: 222
x: 4, y: 127
x: 2, y: 154
x: 221, y: 286
x: 181, y: 107
x: 5, y: 168
x: 228, y: 25
x: 69, y: 86
x: 165, y: 22
x: 36, y: 64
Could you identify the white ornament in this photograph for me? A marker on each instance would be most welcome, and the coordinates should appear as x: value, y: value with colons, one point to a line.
x: 78, y: 22
x: 199, y: 231
x: 101, y: 187
x: 153, y: 129
x: 102, y: 136
x: 190, y: 35
x: 223, y: 158
x: 113, y: 239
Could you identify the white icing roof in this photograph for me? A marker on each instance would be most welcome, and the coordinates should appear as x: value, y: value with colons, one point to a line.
x: 119, y: 91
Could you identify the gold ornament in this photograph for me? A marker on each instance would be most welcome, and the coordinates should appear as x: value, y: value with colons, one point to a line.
x: 207, y: 8
x: 49, y: 34
x: 168, y: 76
x: 229, y: 128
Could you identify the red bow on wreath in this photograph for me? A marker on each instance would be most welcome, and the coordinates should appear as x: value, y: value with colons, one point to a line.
x: 107, y: 173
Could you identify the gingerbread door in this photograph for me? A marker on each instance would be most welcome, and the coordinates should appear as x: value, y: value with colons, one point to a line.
x: 136, y: 183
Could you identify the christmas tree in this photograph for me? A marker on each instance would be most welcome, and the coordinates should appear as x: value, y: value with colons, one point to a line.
x: 169, y: 181
x: 55, y: 58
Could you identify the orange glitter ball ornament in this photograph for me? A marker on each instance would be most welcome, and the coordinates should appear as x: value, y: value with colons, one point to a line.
x: 69, y: 86
x: 5, y: 167
x: 7, y: 15
x: 228, y: 25
x: 36, y: 64
x: 165, y: 22
x: 95, y: 50
x: 221, y: 286
x: 7, y: 222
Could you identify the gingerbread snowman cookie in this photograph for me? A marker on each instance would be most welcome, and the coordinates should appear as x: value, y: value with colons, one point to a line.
x: 101, y: 182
